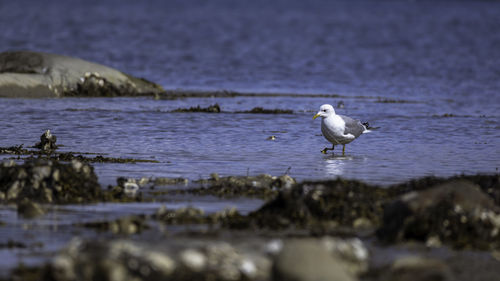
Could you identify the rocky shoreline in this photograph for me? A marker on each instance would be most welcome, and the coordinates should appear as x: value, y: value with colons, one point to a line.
x: 314, y: 230
x: 424, y: 229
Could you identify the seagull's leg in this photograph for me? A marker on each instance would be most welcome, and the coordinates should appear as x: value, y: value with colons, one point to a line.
x: 343, y: 150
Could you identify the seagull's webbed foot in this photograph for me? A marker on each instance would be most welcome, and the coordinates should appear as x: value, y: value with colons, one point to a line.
x: 326, y: 149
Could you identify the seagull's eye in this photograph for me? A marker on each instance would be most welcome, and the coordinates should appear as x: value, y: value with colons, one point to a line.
x: 324, y: 110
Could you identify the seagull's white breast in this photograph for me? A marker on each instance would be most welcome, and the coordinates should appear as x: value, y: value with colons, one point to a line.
x: 333, y: 128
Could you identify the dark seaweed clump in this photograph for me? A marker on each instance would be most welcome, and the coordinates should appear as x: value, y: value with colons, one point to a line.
x: 260, y: 110
x: 47, y: 151
x: 215, y: 108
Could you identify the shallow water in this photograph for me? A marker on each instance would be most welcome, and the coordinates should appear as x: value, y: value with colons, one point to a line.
x: 413, y: 139
x: 437, y: 58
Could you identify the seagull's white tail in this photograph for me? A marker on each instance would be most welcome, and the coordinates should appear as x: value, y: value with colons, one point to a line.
x: 367, y: 128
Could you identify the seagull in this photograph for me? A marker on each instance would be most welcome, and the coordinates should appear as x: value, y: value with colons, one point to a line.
x: 339, y: 129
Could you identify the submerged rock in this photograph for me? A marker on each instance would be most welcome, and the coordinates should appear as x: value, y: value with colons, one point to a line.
x: 49, y: 182
x: 25, y: 74
x: 458, y: 213
x: 29, y: 209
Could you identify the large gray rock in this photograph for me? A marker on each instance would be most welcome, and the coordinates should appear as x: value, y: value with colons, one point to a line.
x: 26, y: 74
x: 308, y: 260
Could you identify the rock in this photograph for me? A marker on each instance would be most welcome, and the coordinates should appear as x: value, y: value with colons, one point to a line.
x: 262, y: 186
x: 188, y: 215
x: 47, y: 142
x: 457, y: 213
x: 113, y: 260
x: 416, y: 268
x: 170, y: 181
x: 126, y: 225
x: 49, y: 182
x: 25, y: 74
x: 128, y: 260
x: 29, y: 209
x: 307, y: 259
x: 353, y: 255
x: 328, y: 203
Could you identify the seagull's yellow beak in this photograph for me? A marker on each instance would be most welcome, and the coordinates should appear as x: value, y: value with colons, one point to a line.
x: 316, y: 116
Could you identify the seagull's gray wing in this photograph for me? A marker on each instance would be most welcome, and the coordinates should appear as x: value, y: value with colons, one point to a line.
x: 352, y: 126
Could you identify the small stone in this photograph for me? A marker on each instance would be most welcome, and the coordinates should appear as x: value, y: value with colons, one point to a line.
x: 193, y: 259
x: 29, y: 209
x: 362, y: 223
x: 214, y: 176
x: 130, y: 189
x: 433, y: 242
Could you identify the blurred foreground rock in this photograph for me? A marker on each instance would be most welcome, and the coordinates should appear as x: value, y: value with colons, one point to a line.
x: 128, y: 260
x: 307, y: 259
x: 25, y: 74
x: 458, y: 213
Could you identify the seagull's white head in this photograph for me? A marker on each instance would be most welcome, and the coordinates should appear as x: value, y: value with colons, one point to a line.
x: 325, y: 110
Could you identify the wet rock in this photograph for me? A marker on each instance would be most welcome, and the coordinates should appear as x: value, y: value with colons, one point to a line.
x: 262, y: 186
x: 215, y: 108
x: 127, y: 225
x: 457, y: 213
x: 49, y: 182
x: 415, y: 268
x: 188, y: 215
x: 338, y: 202
x: 26, y: 74
x: 171, y: 181
x: 47, y: 142
x: 230, y: 218
x: 29, y: 209
x: 307, y: 259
